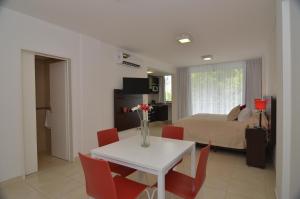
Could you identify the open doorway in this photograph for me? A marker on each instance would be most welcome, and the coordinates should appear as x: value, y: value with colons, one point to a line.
x: 160, y: 97
x: 46, y: 111
x: 47, y: 83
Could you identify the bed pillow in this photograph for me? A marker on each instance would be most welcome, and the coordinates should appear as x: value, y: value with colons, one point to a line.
x: 242, y: 106
x: 234, y: 113
x: 245, y: 114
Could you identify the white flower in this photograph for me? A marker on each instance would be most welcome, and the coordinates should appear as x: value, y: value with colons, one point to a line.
x: 136, y: 108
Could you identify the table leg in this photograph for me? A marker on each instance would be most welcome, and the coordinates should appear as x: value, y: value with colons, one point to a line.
x: 193, y: 159
x: 161, y: 186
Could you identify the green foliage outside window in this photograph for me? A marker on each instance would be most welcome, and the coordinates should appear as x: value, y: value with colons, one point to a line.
x: 168, y: 88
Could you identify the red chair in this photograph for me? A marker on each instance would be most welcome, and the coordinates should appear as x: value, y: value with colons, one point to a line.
x: 109, y: 136
x: 185, y: 186
x: 101, y: 185
x: 172, y: 132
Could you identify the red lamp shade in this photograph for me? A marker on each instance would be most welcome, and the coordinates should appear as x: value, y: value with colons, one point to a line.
x: 260, y: 104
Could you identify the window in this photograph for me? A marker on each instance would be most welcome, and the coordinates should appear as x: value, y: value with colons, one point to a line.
x: 168, y: 88
x: 217, y: 88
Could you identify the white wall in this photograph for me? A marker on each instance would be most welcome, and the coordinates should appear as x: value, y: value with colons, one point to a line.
x: 269, y: 81
x: 94, y: 75
x: 99, y: 77
x: 22, y: 32
x: 295, y: 99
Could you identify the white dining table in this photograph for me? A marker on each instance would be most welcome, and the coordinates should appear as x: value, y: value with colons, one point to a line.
x: 157, y: 159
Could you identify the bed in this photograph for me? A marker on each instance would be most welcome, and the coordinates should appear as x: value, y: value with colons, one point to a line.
x: 204, y: 127
x: 228, y: 134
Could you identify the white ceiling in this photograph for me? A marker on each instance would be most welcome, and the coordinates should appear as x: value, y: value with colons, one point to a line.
x: 228, y: 29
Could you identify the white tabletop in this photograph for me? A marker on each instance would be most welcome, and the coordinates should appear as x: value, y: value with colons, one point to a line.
x: 158, y: 158
x: 162, y: 153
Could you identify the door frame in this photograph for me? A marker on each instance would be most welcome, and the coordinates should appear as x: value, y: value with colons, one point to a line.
x: 30, y: 138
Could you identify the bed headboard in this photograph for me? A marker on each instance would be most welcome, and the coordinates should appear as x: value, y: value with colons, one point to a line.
x: 271, y: 115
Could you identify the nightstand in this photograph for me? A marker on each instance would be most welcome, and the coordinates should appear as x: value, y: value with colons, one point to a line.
x: 256, y: 139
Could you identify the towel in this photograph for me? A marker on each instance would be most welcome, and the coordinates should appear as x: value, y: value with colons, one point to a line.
x: 47, y: 119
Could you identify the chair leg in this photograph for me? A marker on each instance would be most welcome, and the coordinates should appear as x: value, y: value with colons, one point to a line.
x: 153, y: 192
x: 148, y: 194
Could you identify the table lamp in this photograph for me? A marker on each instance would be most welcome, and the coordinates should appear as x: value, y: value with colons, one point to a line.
x: 260, y: 105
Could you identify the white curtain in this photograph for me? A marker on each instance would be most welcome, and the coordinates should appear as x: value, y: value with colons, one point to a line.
x: 183, y: 92
x: 217, y: 88
x: 253, y: 81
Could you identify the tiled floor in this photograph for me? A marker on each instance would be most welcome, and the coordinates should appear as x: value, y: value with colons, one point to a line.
x: 228, y: 177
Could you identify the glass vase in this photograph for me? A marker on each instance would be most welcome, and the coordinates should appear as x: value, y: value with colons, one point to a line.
x: 145, y: 139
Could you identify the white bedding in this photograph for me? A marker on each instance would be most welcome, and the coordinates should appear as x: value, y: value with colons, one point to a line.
x: 204, y: 127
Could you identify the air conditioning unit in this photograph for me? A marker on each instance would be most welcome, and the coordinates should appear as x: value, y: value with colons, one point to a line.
x: 124, y: 58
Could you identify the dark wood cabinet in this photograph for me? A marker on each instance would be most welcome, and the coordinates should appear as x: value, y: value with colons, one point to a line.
x: 256, y: 139
x: 152, y: 115
x: 158, y: 113
x: 162, y: 114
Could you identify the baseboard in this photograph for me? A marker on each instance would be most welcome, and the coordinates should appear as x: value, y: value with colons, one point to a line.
x: 12, y: 180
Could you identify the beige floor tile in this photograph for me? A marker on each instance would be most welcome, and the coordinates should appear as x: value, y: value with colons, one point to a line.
x: 251, y: 175
x: 47, y: 162
x: 220, y: 183
x: 57, y: 189
x: 78, y: 193
x: 230, y: 195
x: 255, y: 191
x: 270, y: 192
x: 68, y: 170
x: 79, y: 177
x: 20, y: 190
x: 211, y: 193
x: 43, y: 178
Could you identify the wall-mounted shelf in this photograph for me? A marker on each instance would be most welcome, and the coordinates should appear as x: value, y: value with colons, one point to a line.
x: 153, y: 84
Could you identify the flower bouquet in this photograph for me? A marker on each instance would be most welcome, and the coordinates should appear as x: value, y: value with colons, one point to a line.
x: 144, y: 109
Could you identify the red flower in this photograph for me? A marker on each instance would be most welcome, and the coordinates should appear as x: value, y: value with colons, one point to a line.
x: 144, y: 107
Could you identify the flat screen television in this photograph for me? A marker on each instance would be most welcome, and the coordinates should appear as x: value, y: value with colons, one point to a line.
x: 136, y: 85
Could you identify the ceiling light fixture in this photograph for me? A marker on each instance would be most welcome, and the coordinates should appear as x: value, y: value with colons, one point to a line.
x: 184, y: 38
x: 149, y: 72
x: 207, y: 57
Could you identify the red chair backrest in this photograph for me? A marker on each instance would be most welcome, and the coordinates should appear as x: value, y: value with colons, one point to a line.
x: 107, y: 136
x: 99, y: 182
x: 173, y: 132
x: 201, y: 168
